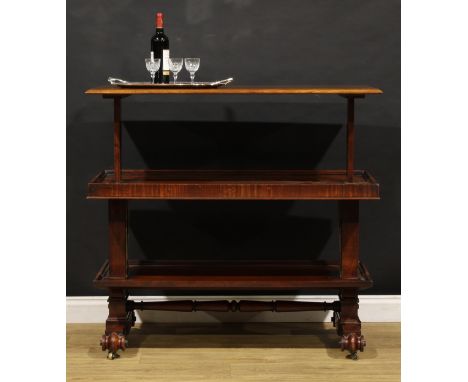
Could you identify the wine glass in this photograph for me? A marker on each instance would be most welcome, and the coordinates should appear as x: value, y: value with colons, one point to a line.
x: 152, y: 66
x: 192, y: 65
x: 175, y: 66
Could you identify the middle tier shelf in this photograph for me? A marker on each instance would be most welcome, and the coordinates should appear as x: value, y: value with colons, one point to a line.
x: 241, y: 275
x: 235, y: 184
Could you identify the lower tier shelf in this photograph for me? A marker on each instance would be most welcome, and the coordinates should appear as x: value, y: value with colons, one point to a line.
x: 234, y: 184
x: 238, y: 276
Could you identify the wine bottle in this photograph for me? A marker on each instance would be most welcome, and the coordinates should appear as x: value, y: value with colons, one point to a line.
x: 160, y: 47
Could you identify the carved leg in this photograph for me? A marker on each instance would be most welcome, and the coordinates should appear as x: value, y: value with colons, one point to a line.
x: 347, y: 320
x: 348, y: 324
x: 113, y: 342
x: 120, y: 319
x: 118, y: 323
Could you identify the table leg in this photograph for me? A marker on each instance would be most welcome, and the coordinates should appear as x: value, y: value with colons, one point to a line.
x: 118, y: 323
x: 120, y: 318
x: 347, y: 322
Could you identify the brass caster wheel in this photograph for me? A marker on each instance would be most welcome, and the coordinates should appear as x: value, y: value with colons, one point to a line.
x: 353, y: 355
x: 112, y: 356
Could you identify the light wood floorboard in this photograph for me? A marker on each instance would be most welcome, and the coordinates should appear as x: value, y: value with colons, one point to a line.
x: 234, y: 352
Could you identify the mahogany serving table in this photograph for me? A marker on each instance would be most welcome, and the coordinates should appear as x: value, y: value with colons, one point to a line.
x: 121, y: 276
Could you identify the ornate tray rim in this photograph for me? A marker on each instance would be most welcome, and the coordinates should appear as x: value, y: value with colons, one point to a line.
x: 128, y: 84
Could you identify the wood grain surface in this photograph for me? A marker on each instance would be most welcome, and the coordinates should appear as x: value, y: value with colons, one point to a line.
x: 112, y: 90
x: 234, y: 184
x: 263, y: 352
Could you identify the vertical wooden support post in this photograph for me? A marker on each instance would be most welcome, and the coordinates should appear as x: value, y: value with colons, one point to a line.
x: 117, y: 138
x: 349, y: 237
x: 348, y: 323
x: 350, y: 139
x: 120, y: 318
x: 118, y: 238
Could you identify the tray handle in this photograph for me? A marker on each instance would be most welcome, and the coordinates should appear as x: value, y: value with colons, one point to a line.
x: 116, y: 81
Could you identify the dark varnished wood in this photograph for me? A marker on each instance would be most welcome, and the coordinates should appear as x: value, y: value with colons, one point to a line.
x: 118, y: 238
x: 348, y: 323
x: 349, y: 238
x: 118, y: 323
x: 350, y: 139
x: 203, y: 279
x: 113, y: 342
x: 347, y: 90
x: 184, y: 306
x: 117, y: 320
x: 348, y: 186
x: 234, y: 184
x: 234, y: 306
x: 117, y: 138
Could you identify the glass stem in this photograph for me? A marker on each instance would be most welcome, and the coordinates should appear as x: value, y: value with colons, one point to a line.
x: 152, y: 77
x: 192, y: 77
x: 175, y: 77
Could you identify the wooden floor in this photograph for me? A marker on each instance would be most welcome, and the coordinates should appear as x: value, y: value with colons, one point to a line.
x: 234, y: 352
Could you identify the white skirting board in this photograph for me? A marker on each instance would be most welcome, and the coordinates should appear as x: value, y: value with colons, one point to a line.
x: 379, y: 308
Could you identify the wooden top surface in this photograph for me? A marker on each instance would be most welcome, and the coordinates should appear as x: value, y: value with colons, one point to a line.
x: 112, y: 90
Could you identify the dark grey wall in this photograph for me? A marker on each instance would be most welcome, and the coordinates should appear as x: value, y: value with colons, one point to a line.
x: 270, y: 42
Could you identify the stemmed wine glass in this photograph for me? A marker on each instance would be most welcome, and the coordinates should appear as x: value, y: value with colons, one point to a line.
x: 192, y: 65
x: 175, y: 66
x: 152, y: 66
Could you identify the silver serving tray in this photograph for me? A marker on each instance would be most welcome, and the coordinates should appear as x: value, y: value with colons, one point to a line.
x: 178, y: 85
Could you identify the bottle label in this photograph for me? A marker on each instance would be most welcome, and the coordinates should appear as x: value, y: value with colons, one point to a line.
x: 165, y: 61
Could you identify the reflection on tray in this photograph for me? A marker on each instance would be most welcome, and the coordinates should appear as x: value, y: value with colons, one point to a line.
x: 215, y: 84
